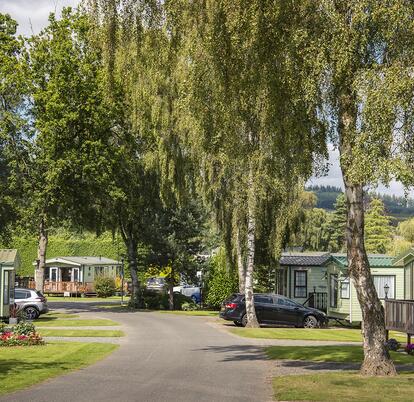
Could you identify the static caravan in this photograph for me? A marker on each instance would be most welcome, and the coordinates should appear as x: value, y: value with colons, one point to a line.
x: 9, y: 262
x: 407, y: 260
x: 73, y: 275
x: 302, y: 277
x: 388, y: 276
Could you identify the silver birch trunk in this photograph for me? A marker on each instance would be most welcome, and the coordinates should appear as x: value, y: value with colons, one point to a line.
x: 136, y: 299
x: 240, y: 265
x: 377, y: 360
x: 251, y: 234
x: 41, y: 256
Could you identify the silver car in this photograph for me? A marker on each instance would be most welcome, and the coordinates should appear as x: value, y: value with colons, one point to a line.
x: 31, y: 302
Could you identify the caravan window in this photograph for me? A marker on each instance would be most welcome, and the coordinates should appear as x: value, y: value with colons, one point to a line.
x: 301, y: 283
x: 380, y: 281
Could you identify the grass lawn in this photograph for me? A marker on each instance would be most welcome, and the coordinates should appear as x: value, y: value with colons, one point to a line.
x: 192, y: 313
x: 344, y: 387
x: 58, y: 315
x: 331, y: 334
x: 342, y: 354
x: 86, y: 299
x: 21, y: 367
x: 57, y: 322
x: 81, y: 332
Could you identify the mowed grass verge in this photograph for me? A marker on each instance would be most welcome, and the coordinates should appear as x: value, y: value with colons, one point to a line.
x: 331, y: 334
x: 340, y: 354
x: 21, y: 367
x: 192, y: 313
x: 62, y: 299
x: 344, y: 387
x: 93, y: 322
x: 105, y: 333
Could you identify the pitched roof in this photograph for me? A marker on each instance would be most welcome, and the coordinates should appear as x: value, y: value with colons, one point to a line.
x: 9, y: 257
x: 305, y: 259
x: 402, y: 257
x: 83, y: 260
x: 375, y: 260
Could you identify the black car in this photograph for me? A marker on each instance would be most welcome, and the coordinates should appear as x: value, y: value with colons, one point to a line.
x: 272, y: 309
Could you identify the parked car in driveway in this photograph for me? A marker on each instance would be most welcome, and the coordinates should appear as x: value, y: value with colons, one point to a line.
x: 272, y: 309
x: 190, y: 291
x: 31, y: 302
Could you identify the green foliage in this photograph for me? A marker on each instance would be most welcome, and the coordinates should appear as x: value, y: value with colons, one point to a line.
x: 406, y: 230
x: 14, y: 131
x: 154, y: 300
x: 24, y: 328
x: 398, y: 246
x: 221, y: 281
x: 338, y: 224
x: 104, y: 286
x: 377, y: 228
x: 66, y: 244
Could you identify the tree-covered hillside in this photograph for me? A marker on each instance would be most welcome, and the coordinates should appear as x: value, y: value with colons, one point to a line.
x: 399, y: 208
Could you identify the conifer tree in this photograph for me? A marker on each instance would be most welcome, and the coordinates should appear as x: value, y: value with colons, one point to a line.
x: 338, y: 224
x: 377, y: 228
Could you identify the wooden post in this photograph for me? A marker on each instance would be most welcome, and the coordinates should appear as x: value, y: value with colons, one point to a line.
x: 387, y: 335
x: 408, y: 339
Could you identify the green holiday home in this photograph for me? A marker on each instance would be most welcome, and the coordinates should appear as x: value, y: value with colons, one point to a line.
x: 73, y: 275
x: 9, y: 262
x: 321, y: 280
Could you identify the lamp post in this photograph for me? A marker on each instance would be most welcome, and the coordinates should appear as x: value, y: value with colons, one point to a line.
x: 122, y: 282
x: 386, y: 290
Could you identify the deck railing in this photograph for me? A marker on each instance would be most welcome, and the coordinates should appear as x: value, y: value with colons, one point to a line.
x: 399, y: 315
x: 70, y: 287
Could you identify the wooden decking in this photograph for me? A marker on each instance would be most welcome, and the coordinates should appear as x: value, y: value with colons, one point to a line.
x: 67, y: 287
x: 399, y: 316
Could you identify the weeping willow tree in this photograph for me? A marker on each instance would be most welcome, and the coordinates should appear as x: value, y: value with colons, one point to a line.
x: 141, y: 70
x: 253, y: 98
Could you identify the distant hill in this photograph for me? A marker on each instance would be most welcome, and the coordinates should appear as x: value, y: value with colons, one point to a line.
x: 399, y: 208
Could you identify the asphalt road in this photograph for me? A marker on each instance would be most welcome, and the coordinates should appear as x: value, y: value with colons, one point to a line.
x: 164, y: 357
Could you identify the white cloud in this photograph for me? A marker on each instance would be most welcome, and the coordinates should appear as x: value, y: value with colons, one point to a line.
x: 32, y: 15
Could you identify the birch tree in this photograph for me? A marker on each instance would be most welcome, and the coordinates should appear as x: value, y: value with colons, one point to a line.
x: 365, y: 56
x: 254, y: 126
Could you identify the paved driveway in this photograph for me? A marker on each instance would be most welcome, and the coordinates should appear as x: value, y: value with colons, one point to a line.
x: 164, y: 357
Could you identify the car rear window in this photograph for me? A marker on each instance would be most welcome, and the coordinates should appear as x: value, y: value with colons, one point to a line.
x: 263, y: 299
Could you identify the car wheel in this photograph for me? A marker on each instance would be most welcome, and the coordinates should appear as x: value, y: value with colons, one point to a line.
x: 310, y: 322
x: 238, y: 323
x: 31, y: 313
x: 244, y: 321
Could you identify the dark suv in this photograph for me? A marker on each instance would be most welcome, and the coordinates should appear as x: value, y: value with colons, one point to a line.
x: 272, y: 309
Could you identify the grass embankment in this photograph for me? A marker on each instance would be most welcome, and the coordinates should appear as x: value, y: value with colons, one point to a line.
x: 344, y: 387
x: 57, y: 322
x: 81, y: 333
x: 192, y: 313
x: 21, y: 367
x: 331, y: 334
x: 341, y: 354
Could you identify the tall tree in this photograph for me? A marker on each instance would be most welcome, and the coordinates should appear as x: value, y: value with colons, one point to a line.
x: 254, y: 130
x: 14, y: 128
x: 338, y: 223
x: 69, y: 159
x: 377, y: 228
x: 365, y: 58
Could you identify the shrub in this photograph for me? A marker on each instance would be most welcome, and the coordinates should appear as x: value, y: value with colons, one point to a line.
x: 410, y: 348
x: 221, y: 281
x: 159, y: 300
x: 104, y: 286
x: 392, y: 344
x: 189, y: 306
x: 13, y: 339
x: 24, y: 328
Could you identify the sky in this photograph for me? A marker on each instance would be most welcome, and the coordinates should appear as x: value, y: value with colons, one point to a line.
x: 32, y: 16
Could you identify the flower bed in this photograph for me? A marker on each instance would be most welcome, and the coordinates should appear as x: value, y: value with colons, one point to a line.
x: 22, y: 334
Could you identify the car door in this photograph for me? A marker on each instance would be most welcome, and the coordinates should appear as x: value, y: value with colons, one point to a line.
x: 263, y: 305
x: 289, y: 312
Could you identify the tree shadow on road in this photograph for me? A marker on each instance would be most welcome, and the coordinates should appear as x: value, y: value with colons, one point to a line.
x: 233, y: 353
